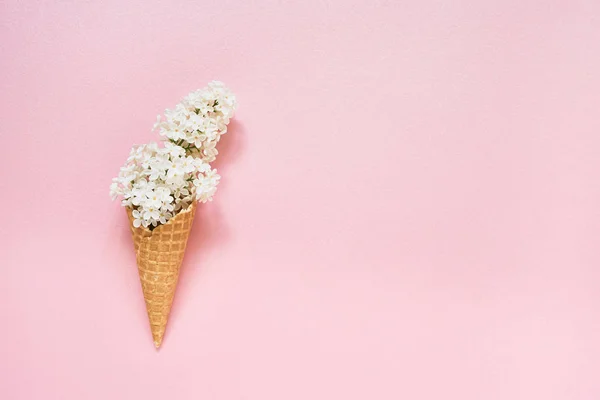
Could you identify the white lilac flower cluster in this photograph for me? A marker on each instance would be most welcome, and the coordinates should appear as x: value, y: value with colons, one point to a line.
x: 157, y: 182
x: 199, y: 120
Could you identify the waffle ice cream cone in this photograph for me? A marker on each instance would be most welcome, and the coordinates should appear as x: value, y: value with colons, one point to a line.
x: 159, y: 254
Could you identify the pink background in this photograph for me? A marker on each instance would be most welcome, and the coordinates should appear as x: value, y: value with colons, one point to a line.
x: 409, y: 209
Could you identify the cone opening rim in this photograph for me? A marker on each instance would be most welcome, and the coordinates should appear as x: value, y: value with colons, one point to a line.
x: 148, y: 232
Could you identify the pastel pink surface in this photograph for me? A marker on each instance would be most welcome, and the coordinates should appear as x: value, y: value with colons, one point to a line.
x: 409, y: 206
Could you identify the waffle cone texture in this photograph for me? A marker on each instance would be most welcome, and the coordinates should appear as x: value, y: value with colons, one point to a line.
x: 159, y: 254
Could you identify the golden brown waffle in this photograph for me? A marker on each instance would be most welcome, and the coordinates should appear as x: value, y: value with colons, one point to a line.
x: 159, y: 255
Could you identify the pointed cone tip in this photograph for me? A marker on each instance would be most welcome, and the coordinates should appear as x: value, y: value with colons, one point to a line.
x: 157, y: 338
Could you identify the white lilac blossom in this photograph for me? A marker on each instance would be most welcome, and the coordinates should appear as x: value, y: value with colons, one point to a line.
x: 157, y: 182
x: 199, y: 120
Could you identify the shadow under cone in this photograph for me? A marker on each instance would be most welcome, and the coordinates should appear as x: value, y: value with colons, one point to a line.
x: 159, y: 254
